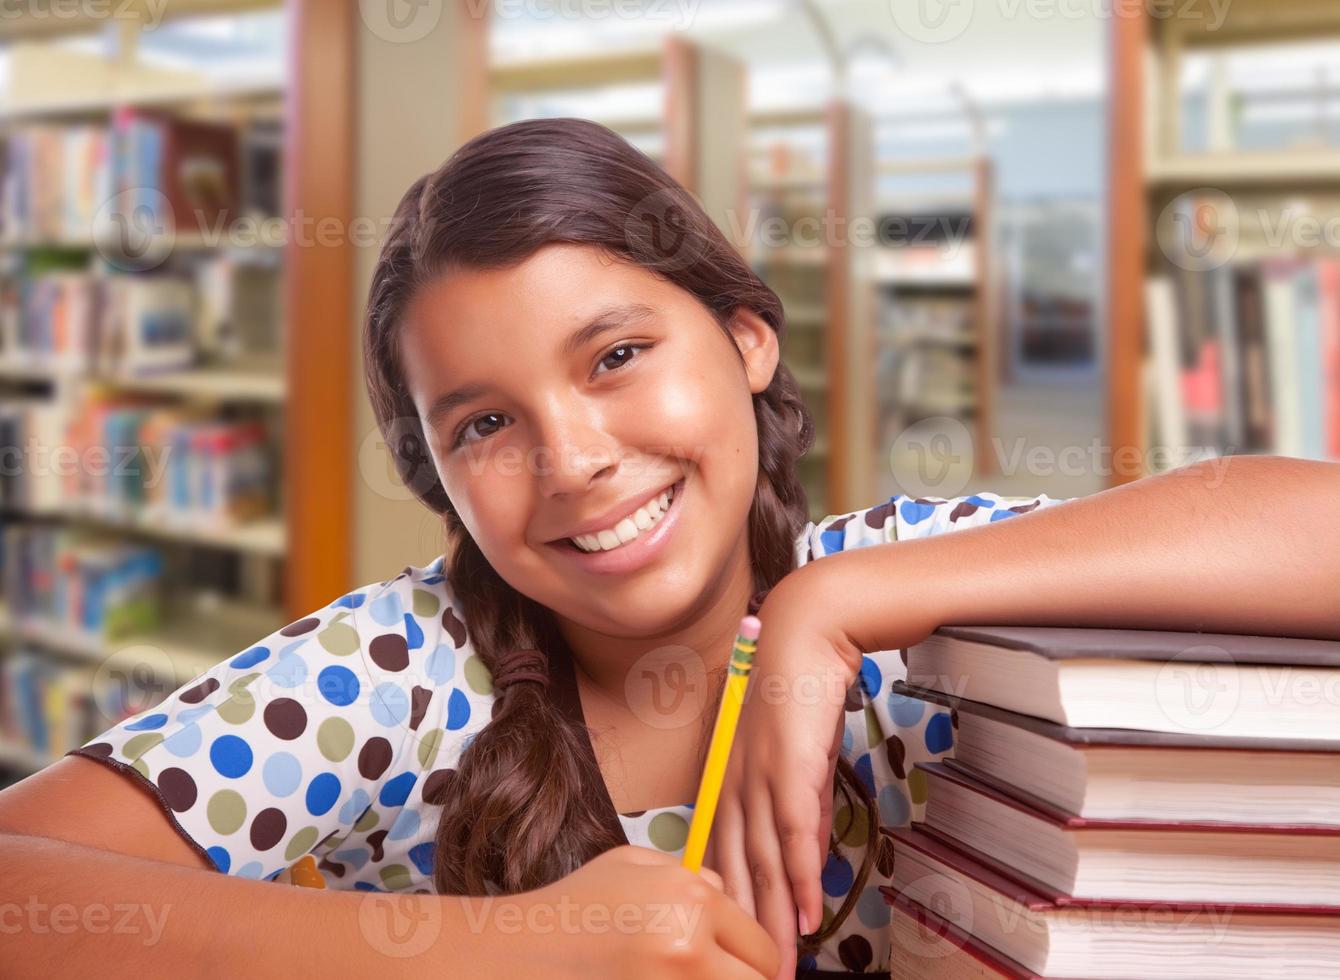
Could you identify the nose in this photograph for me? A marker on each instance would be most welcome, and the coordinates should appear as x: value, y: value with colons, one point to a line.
x: 574, y: 448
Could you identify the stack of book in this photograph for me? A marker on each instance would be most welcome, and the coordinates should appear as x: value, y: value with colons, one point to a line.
x: 1124, y: 804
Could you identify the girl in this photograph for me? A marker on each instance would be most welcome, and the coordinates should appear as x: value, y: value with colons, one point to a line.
x: 581, y: 376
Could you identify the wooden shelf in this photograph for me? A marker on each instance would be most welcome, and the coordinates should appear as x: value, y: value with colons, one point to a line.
x: 1284, y: 169
x: 105, y: 103
x: 207, y: 384
x: 573, y: 72
x: 263, y: 536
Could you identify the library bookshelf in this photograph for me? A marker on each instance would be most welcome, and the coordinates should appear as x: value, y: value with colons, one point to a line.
x: 1223, y: 338
x: 227, y: 574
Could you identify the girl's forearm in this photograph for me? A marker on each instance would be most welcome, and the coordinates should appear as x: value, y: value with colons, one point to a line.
x: 1245, y: 545
x: 74, y: 910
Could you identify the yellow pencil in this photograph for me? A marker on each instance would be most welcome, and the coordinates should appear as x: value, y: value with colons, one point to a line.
x: 723, y: 735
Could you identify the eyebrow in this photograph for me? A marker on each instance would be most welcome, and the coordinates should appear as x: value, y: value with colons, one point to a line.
x: 614, y: 318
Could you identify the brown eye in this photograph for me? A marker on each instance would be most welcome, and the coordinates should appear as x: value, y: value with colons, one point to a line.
x: 623, y: 353
x: 468, y: 427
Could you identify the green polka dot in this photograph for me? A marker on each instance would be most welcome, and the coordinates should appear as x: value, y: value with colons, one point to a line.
x: 335, y: 739
x: 478, y: 676
x: 140, y: 744
x: 425, y: 604
x: 237, y: 685
x: 226, y: 811
x: 237, y: 709
x: 668, y: 831
x: 141, y: 767
x: 367, y: 821
x: 300, y: 843
x: 872, y: 733
x: 428, y: 747
x: 916, y: 786
x: 395, y: 877
x: 851, y: 825
x: 339, y: 639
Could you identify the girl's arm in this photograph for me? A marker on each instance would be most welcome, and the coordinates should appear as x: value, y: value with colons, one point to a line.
x: 95, y: 882
x: 1246, y: 545
x: 1243, y: 545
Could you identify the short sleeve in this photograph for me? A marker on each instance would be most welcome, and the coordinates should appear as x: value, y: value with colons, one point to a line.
x: 282, y: 747
x: 903, y: 518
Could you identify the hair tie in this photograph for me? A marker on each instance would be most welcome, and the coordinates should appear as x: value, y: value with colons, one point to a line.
x: 514, y: 666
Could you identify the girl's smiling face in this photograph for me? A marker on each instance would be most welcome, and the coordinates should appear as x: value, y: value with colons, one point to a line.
x: 594, y: 384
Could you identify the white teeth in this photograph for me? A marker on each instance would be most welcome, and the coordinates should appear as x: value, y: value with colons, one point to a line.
x: 645, y: 517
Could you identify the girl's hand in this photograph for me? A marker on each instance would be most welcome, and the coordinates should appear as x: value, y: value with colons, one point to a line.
x: 635, y: 912
x: 770, y: 835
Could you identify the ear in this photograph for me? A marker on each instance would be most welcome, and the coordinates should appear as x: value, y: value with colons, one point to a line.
x: 758, y: 346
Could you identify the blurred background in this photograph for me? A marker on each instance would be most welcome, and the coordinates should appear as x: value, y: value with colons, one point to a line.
x: 1024, y: 246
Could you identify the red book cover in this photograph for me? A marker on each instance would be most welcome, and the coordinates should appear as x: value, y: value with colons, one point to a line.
x: 1328, y: 271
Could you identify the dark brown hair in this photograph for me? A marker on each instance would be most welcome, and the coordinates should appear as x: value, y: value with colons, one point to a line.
x: 518, y: 812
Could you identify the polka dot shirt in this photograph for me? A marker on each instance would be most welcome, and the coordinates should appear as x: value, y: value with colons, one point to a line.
x: 307, y: 758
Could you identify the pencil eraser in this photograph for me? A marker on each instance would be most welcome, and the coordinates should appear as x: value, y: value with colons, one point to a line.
x: 750, y: 627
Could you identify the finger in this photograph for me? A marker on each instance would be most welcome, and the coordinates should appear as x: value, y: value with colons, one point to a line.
x: 745, y: 939
x: 826, y: 817
x: 727, y: 850
x: 798, y: 825
x: 712, y: 877
x: 776, y: 909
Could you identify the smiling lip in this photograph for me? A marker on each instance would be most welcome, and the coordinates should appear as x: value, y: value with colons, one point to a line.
x: 636, y: 553
x: 608, y: 521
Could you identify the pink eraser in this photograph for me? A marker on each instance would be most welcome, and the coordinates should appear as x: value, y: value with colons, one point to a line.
x: 750, y: 627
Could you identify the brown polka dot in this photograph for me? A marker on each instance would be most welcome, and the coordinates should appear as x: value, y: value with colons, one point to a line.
x: 454, y: 627
x: 876, y: 516
x: 268, y: 828
x: 334, y: 867
x: 854, y: 702
x: 101, y: 749
x: 375, y: 841
x: 374, y: 757
x: 389, y: 651
x: 897, y: 753
x: 418, y: 701
x: 201, y: 691
x: 285, y: 718
x: 300, y: 627
x: 436, y: 784
x: 178, y: 789
x: 855, y: 953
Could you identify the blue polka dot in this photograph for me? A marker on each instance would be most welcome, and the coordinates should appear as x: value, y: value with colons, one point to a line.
x: 413, y: 633
x: 188, y: 715
x: 289, y: 670
x: 231, y: 756
x: 338, y: 685
x: 848, y: 741
x: 914, y: 513
x: 249, y: 659
x: 939, y: 734
x: 832, y: 541
x: 396, y: 791
x: 148, y: 722
x: 386, y: 610
x: 282, y: 773
x: 432, y: 580
x: 1000, y: 515
x: 354, y: 807
x: 980, y: 501
x: 837, y: 876
x: 806, y: 962
x: 905, y: 711
x: 406, y: 825
x: 356, y: 857
x: 252, y: 869
x: 894, y: 810
x: 422, y: 856
x: 441, y: 664
x: 872, y: 910
x: 871, y: 678
x: 366, y: 886
x: 458, y: 710
x: 274, y: 874
x: 184, y: 742
x: 351, y: 601
x: 865, y: 769
x: 221, y: 858
x: 389, y: 704
x: 322, y: 792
